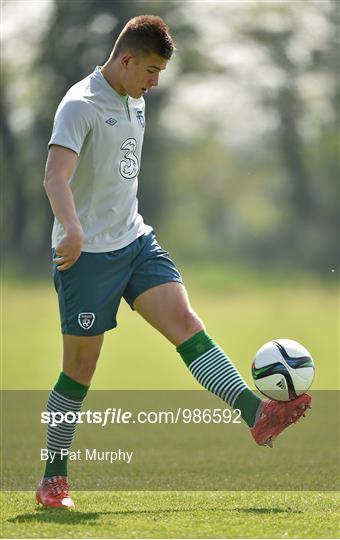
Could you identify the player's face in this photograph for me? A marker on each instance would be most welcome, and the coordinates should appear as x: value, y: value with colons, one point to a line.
x: 141, y: 73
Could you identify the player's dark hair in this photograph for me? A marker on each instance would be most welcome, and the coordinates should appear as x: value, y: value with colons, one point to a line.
x: 145, y: 34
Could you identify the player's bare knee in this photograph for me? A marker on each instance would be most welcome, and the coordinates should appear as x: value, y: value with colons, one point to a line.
x: 93, y: 352
x: 89, y: 359
x: 192, y: 324
x: 81, y: 356
x: 88, y: 368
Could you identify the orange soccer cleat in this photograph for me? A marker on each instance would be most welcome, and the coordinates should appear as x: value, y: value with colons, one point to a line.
x: 275, y: 416
x: 54, y: 492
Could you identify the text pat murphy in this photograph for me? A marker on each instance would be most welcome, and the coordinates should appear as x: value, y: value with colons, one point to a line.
x: 88, y: 454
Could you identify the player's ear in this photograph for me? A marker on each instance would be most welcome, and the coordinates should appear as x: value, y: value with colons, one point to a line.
x: 125, y: 60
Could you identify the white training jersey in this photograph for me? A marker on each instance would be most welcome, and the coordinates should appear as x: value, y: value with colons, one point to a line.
x: 106, y: 130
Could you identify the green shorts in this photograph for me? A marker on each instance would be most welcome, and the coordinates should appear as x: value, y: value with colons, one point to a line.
x: 90, y: 291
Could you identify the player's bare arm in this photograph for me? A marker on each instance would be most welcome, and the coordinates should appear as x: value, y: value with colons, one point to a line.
x: 60, y: 165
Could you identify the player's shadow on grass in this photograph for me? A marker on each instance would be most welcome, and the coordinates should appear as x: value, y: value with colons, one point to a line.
x: 221, y: 508
x: 269, y: 511
x: 60, y: 515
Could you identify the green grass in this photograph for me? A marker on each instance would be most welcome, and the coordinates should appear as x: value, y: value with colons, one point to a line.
x: 241, y: 314
x: 176, y: 515
x: 135, y: 356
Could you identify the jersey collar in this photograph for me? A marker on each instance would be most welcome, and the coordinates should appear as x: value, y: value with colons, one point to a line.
x: 105, y: 85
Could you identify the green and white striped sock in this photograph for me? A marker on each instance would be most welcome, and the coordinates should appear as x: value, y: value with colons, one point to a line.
x: 67, y: 396
x: 213, y: 370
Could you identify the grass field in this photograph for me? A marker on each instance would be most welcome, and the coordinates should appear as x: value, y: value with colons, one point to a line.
x: 176, y: 515
x: 241, y: 318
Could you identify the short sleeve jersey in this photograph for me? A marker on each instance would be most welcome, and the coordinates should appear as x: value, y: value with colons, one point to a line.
x: 106, y: 130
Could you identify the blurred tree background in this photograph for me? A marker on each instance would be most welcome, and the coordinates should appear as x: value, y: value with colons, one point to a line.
x: 240, y: 160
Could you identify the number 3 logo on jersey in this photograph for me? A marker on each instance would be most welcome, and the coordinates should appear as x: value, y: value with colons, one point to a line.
x: 129, y: 165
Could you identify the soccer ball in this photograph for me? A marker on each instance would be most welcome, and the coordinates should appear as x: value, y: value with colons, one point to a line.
x: 283, y: 369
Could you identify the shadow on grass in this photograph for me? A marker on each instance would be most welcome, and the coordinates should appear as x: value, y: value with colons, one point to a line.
x: 60, y: 515
x: 270, y: 511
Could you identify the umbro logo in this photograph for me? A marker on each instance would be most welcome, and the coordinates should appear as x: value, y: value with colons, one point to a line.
x: 281, y: 384
x: 111, y: 121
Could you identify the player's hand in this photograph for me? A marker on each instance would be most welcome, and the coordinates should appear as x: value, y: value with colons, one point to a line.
x: 68, y: 250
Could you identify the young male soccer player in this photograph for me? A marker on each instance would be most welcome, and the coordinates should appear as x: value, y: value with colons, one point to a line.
x: 103, y: 251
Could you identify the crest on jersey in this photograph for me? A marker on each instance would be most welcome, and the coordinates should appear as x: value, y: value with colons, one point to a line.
x: 140, y: 117
x: 86, y: 320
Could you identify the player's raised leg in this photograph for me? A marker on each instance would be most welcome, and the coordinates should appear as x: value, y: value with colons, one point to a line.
x: 167, y: 308
x: 79, y: 363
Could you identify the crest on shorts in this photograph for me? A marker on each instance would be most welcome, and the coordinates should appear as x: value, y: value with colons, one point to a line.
x: 86, y: 320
